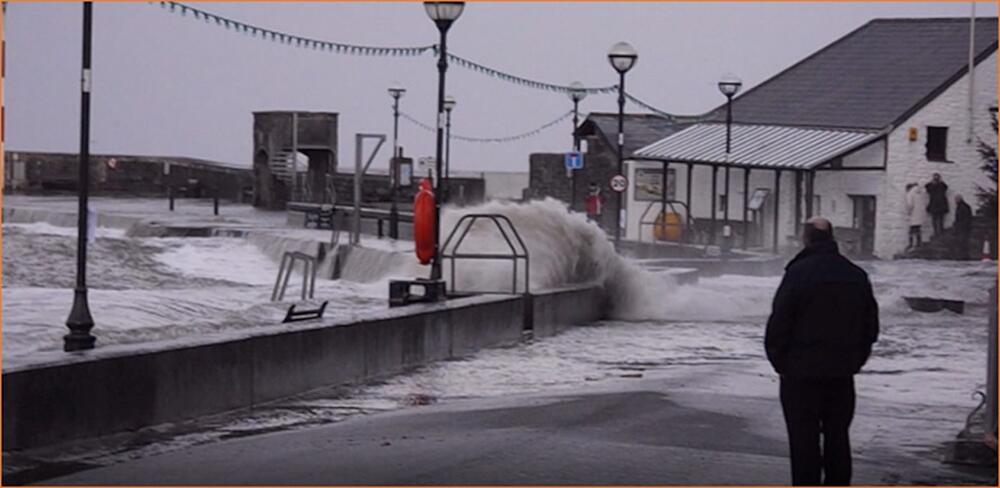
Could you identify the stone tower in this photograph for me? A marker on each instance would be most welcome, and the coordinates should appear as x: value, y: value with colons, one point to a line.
x: 275, y: 136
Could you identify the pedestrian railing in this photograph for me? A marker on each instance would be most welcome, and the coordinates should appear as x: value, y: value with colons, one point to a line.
x: 515, y: 245
x: 660, y: 221
x: 285, y: 273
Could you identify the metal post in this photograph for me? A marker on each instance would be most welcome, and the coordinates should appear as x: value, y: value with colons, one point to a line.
x: 442, y: 69
x: 215, y: 202
x: 746, y: 198
x: 576, y: 148
x: 798, y: 201
x: 663, y: 201
x: 80, y: 322
x: 810, y: 193
x: 729, y: 123
x: 725, y: 208
x: 621, y: 154
x: 687, y: 195
x: 358, y: 173
x: 170, y: 196
x: 447, y: 156
x: 777, y: 206
x: 296, y: 193
x: 715, y: 196
x: 394, y: 206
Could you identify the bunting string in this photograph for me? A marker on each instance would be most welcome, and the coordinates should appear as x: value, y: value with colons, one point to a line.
x: 404, y: 51
x: 473, y: 66
x: 291, y: 39
x: 493, y: 140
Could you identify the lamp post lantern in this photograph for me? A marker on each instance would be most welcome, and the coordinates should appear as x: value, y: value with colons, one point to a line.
x: 449, y: 105
x: 443, y: 14
x: 622, y: 57
x: 80, y: 321
x: 729, y: 86
x: 396, y: 92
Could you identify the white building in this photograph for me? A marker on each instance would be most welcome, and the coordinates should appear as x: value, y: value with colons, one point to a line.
x: 838, y: 134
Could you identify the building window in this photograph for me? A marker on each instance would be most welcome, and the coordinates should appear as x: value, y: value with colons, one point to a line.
x: 937, y: 144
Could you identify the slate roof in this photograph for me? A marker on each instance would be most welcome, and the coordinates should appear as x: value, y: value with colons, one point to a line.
x: 640, y: 129
x: 876, y: 76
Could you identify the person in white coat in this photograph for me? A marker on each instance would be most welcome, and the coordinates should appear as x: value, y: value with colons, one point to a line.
x: 916, y: 212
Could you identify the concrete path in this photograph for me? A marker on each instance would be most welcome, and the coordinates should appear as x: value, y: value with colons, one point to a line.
x: 626, y: 433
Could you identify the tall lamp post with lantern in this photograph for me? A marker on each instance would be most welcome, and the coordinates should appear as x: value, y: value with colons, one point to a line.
x: 576, y: 93
x: 444, y: 15
x: 730, y: 85
x: 396, y: 92
x: 622, y: 57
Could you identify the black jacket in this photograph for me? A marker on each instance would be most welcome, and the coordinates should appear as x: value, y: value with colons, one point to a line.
x: 937, y: 193
x: 824, y: 318
x: 963, y: 218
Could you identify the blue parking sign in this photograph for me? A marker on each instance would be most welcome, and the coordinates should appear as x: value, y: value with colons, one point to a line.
x: 574, y: 160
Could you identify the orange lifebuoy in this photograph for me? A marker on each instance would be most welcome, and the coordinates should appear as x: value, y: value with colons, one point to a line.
x: 423, y: 222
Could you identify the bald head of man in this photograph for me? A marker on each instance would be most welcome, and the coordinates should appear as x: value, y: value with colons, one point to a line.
x: 817, y: 229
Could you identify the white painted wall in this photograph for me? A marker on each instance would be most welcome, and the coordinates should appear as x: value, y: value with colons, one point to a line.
x: 908, y: 163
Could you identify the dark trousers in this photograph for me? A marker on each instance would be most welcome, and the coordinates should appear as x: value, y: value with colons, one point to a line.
x: 938, y: 220
x: 815, y: 408
x: 915, y: 237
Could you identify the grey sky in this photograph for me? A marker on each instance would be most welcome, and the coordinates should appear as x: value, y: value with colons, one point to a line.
x: 171, y: 85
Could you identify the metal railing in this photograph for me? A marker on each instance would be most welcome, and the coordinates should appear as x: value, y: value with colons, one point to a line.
x: 685, y: 229
x: 507, y: 231
x: 285, y: 273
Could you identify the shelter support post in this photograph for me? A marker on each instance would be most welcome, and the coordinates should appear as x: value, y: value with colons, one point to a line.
x: 777, y: 207
x: 663, y: 201
x: 810, y: 177
x: 715, y: 196
x: 798, y: 199
x: 725, y: 208
x: 746, y: 202
x: 687, y: 195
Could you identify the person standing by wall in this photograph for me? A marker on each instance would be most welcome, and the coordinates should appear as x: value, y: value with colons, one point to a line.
x: 916, y: 213
x: 823, y: 324
x: 937, y: 206
x: 594, y: 203
x: 963, y: 227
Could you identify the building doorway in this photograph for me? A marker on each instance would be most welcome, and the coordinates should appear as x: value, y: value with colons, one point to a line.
x: 864, y: 222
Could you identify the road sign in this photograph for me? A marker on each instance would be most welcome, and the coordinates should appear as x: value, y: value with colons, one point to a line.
x: 574, y: 160
x: 619, y: 183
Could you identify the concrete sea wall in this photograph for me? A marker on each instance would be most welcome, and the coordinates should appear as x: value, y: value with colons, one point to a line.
x: 120, y: 388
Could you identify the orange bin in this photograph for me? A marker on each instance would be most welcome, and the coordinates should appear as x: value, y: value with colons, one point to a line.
x: 668, y: 227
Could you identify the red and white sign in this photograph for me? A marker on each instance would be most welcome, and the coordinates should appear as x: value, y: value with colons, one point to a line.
x: 619, y: 183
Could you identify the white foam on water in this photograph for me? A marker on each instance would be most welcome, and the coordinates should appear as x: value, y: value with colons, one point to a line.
x: 563, y: 248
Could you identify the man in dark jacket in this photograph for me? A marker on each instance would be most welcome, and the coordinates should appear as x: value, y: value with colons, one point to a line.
x: 821, y: 330
x: 937, y: 204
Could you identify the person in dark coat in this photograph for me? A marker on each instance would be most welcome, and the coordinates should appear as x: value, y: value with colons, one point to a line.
x: 937, y: 205
x: 823, y: 323
x: 962, y: 227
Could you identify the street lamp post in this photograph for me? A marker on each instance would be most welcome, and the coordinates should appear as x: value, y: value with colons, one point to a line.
x: 729, y: 86
x: 576, y: 93
x: 443, y: 14
x: 449, y: 105
x: 622, y: 57
x: 80, y: 321
x: 396, y: 92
